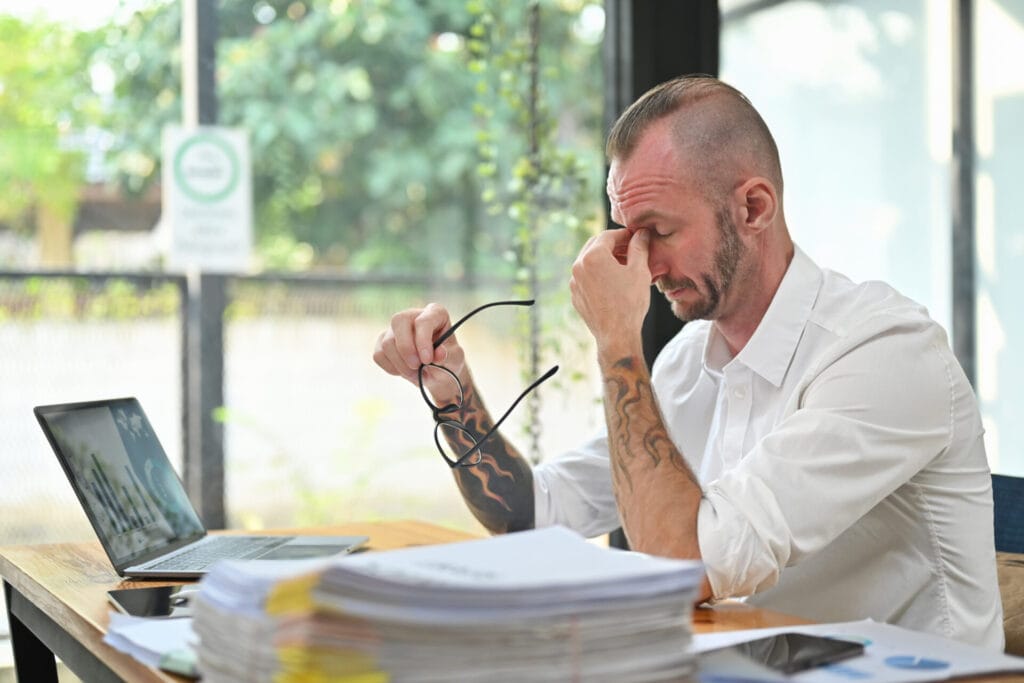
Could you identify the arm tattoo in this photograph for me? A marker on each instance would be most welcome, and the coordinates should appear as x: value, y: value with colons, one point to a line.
x: 636, y: 431
x: 498, y: 490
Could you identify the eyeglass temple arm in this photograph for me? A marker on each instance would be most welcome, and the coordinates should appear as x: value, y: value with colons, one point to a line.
x: 451, y: 330
x: 490, y: 432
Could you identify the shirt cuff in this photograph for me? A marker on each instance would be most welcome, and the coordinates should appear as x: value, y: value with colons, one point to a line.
x: 744, y: 545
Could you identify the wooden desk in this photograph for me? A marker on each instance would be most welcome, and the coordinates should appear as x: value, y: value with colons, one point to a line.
x: 57, y: 601
x: 57, y: 604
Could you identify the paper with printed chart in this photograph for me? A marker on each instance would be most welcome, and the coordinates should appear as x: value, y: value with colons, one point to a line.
x: 891, y: 655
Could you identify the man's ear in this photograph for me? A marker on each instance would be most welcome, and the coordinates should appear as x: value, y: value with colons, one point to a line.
x: 758, y: 204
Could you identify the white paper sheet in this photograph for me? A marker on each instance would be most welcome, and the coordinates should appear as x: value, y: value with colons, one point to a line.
x: 891, y: 655
x: 160, y: 642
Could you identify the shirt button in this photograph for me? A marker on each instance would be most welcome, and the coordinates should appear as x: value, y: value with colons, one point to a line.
x: 739, y: 393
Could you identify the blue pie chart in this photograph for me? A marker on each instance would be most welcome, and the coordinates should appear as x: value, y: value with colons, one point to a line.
x: 916, y: 663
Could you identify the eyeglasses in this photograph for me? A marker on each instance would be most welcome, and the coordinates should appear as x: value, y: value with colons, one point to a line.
x: 456, y: 442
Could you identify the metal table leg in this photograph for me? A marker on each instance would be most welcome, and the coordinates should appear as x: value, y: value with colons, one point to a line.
x: 33, y: 661
x: 36, y: 640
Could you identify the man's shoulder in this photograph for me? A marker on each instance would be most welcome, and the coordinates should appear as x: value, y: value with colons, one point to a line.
x: 871, y: 322
x: 844, y: 306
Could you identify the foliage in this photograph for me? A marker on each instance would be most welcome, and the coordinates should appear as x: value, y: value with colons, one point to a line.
x: 362, y: 131
x: 364, y: 119
x: 399, y: 137
x: 541, y: 184
x: 82, y: 298
x: 44, y: 93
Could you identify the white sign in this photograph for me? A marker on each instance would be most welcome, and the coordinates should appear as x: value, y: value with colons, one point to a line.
x: 207, y: 199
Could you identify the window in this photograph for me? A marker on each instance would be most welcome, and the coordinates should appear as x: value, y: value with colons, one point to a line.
x: 388, y: 142
x: 859, y: 97
x: 999, y: 111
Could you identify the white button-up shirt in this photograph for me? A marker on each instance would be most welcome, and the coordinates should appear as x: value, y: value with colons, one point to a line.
x: 841, y: 459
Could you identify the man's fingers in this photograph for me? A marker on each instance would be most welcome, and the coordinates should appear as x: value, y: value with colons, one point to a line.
x: 616, y: 241
x: 638, y: 247
x: 387, y: 356
x: 620, y: 249
x: 403, y: 332
x: 408, y: 342
x: 429, y: 324
x: 621, y: 253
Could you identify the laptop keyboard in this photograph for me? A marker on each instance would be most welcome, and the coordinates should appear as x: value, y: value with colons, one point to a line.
x: 222, y: 548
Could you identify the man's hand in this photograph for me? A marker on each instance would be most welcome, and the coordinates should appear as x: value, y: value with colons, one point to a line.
x: 499, y: 490
x: 408, y: 342
x: 610, y: 285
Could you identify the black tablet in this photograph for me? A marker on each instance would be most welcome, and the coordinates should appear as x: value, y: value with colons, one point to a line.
x: 793, y: 652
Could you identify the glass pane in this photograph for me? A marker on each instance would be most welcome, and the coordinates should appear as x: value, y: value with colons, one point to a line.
x: 75, y: 339
x: 390, y: 155
x: 999, y: 111
x: 389, y: 138
x: 858, y: 97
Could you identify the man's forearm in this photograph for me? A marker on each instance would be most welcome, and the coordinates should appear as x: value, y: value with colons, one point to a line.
x: 498, y: 490
x: 657, y: 494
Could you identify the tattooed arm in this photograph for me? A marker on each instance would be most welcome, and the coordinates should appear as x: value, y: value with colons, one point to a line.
x: 657, y: 495
x: 499, y: 490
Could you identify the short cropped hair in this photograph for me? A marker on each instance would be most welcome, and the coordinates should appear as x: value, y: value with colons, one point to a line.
x: 713, y: 124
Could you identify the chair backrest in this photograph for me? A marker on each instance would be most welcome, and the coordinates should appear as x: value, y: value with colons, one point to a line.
x: 1008, y: 499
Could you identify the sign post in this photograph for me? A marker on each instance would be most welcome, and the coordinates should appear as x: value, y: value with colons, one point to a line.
x: 207, y: 199
x: 206, y: 228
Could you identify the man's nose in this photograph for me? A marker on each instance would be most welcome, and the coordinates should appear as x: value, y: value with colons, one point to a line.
x: 656, y: 264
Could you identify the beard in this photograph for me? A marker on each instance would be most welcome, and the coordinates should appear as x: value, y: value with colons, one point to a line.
x: 725, y: 263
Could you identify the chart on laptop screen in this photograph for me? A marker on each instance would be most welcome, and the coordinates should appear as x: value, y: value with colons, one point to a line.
x: 123, y: 477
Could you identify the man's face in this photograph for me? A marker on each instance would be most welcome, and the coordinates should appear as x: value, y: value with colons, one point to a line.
x: 715, y: 281
x: 695, y: 248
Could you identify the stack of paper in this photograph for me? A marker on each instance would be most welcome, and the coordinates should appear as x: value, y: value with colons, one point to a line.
x: 541, y: 605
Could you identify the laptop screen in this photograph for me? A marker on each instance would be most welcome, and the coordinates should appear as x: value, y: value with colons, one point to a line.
x: 122, y: 476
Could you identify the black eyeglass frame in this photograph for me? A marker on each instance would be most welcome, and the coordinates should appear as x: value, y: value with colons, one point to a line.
x: 473, y: 456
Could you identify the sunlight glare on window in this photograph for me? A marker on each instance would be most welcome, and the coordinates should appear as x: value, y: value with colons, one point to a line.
x: 589, y: 28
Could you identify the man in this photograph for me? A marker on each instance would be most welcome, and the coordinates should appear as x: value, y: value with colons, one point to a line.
x: 813, y: 441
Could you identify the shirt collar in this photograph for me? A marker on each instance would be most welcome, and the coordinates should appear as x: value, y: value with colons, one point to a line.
x: 773, y: 344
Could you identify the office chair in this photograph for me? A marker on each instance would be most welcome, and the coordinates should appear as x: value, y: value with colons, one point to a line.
x: 1008, y: 499
x: 1008, y: 502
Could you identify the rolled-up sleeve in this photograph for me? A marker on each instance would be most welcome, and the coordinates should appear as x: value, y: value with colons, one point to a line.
x: 874, y: 413
x: 575, y: 490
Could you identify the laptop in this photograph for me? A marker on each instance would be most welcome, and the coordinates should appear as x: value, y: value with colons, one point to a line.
x: 137, y: 504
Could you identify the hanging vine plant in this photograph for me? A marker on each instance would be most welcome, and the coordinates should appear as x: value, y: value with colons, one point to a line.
x: 539, y: 185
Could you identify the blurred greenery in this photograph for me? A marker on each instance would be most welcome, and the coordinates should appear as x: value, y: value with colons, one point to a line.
x: 390, y: 137
x: 387, y: 137
x: 364, y: 122
x: 45, y: 95
x: 81, y: 298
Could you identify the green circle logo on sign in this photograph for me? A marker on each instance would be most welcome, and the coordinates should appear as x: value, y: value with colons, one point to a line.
x: 206, y: 168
